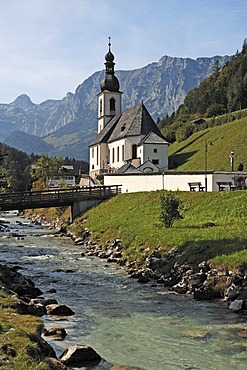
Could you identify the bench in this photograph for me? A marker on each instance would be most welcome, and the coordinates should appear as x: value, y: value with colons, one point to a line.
x: 224, y: 184
x: 196, y: 185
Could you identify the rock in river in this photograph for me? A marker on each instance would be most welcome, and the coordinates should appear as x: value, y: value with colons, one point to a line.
x: 59, y: 310
x: 80, y: 354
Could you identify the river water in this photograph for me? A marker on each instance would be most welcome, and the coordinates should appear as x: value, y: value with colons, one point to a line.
x: 125, y: 322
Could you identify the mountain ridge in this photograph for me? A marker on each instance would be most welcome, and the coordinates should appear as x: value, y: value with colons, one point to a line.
x: 161, y: 85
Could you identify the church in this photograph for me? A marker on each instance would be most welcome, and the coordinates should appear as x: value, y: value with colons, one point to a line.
x: 127, y: 142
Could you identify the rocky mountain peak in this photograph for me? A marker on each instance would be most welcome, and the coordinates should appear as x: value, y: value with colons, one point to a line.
x: 70, y: 124
x: 23, y: 101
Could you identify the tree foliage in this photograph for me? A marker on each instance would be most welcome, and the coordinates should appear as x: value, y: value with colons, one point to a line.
x: 170, y: 209
x: 15, y: 168
x: 223, y: 92
x: 41, y: 168
x: 20, y: 171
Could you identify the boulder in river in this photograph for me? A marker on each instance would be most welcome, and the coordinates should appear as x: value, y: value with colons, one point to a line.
x: 59, y: 310
x: 55, y: 364
x: 59, y: 333
x: 236, y: 305
x: 13, y: 280
x: 80, y: 355
x: 123, y: 367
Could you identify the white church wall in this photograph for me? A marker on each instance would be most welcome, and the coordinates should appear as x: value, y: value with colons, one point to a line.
x: 156, y: 152
x: 98, y: 158
x: 148, y: 182
x: 135, y: 183
x: 169, y: 181
x: 117, y: 153
x: 181, y: 181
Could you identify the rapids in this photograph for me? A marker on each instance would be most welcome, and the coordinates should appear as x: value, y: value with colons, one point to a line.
x: 125, y: 322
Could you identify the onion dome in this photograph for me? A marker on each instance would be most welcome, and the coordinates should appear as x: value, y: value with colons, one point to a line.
x: 109, y: 57
x: 110, y: 81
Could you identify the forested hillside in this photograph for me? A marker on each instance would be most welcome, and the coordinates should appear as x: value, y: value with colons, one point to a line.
x: 66, y: 127
x: 222, y: 93
x: 15, y: 168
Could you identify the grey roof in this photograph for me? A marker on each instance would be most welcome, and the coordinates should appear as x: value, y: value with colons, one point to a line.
x: 153, y: 138
x: 147, y: 162
x: 105, y: 133
x: 128, y: 167
x: 134, y: 121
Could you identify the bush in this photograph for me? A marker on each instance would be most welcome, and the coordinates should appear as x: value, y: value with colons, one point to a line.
x: 185, y: 131
x: 170, y: 209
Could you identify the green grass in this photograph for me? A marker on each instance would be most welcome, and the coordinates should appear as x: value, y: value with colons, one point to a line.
x: 134, y: 217
x: 189, y: 155
x: 17, y: 338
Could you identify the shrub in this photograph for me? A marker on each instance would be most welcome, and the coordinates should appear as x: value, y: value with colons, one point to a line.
x: 170, y: 209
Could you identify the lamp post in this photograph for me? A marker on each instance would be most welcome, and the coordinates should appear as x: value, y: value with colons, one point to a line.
x: 206, y: 145
x: 232, y: 160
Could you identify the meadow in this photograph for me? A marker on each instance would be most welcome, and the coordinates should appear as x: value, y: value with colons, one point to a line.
x: 213, y: 227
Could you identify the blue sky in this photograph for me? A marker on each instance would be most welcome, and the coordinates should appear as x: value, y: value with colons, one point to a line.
x: 49, y: 47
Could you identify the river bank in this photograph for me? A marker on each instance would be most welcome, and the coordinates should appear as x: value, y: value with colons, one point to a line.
x: 143, y: 325
x: 22, y: 343
x: 201, y: 281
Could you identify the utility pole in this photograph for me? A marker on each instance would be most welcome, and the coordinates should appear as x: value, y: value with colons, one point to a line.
x: 206, y: 145
x: 232, y: 160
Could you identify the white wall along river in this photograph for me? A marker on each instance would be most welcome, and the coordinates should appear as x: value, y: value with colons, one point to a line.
x: 125, y: 322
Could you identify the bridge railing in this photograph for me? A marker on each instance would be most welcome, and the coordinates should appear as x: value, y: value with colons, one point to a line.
x: 56, y: 196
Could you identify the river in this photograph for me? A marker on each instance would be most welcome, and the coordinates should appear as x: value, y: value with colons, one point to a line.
x: 125, y: 322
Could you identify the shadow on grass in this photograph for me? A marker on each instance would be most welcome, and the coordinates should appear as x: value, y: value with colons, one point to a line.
x: 176, y: 160
x: 194, y: 252
x: 191, y: 142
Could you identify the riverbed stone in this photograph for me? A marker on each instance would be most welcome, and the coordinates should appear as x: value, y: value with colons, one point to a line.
x: 232, y: 293
x: 123, y: 367
x: 236, y: 305
x: 204, y: 292
x: 80, y: 354
x: 55, y: 364
x: 59, y: 310
x: 180, y: 288
x: 155, y: 263
x: 59, y: 333
x: 15, y: 281
x: 30, y: 309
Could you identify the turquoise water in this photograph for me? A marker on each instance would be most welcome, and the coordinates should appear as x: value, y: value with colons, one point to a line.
x: 125, y: 322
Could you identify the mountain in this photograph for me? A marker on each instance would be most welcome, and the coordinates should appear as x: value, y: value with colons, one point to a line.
x: 29, y: 143
x: 219, y: 98
x: 68, y: 125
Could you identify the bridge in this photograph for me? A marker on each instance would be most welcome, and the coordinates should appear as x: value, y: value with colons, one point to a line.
x: 79, y: 199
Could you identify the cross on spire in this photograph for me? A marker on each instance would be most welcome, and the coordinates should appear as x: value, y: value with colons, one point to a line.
x: 109, y: 44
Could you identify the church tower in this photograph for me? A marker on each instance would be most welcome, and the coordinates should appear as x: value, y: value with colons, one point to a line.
x: 110, y: 98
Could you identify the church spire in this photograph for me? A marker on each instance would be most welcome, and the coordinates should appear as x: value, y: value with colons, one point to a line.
x: 110, y: 81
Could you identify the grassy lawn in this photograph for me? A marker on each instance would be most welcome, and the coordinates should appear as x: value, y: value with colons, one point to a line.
x: 18, y: 338
x: 188, y: 155
x: 134, y: 218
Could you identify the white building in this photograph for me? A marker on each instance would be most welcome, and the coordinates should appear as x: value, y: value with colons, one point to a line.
x: 135, y: 181
x: 124, y: 138
x: 65, y: 177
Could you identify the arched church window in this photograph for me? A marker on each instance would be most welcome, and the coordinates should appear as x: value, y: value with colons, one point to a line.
x: 100, y: 106
x: 112, y: 105
x: 118, y: 154
x: 134, y: 151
